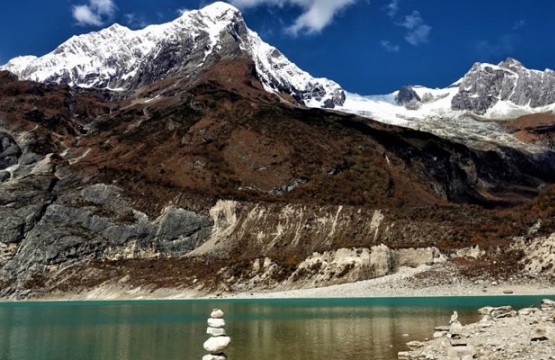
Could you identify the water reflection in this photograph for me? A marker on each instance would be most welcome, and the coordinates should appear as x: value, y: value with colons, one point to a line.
x: 277, y: 330
x: 333, y: 333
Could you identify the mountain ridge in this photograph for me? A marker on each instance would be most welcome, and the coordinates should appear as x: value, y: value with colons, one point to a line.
x: 117, y: 58
x: 227, y: 174
x: 121, y: 60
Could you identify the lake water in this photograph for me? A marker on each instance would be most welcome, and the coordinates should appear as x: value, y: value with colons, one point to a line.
x: 334, y: 329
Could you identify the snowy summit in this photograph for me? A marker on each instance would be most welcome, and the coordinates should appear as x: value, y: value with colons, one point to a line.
x: 120, y: 59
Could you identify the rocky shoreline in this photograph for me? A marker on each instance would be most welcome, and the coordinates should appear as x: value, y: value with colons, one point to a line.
x: 502, y: 333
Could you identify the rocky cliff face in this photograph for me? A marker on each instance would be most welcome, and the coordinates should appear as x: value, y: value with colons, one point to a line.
x: 405, y: 95
x: 485, y: 85
x: 96, y: 223
x: 9, y: 152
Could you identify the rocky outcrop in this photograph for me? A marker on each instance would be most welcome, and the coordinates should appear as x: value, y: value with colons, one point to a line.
x: 96, y: 223
x: 539, y: 254
x: 407, y: 97
x: 25, y: 192
x: 22, y: 206
x: 484, y: 85
x: 9, y: 151
x: 327, y: 268
x: 351, y: 265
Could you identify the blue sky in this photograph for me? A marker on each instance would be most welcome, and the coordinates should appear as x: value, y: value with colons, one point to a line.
x: 367, y: 46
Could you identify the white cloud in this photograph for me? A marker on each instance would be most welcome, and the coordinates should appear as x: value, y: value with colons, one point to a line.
x: 418, y: 31
x: 501, y: 47
x: 103, y: 7
x: 420, y: 35
x: 85, y: 16
x: 95, y: 13
x: 134, y: 21
x: 388, y: 46
x: 519, y: 24
x: 413, y: 20
x: 317, y: 14
x: 392, y: 8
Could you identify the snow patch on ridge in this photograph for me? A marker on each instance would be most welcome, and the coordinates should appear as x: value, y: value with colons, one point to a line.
x: 279, y: 74
x: 469, y: 110
x: 384, y: 108
x: 436, y: 116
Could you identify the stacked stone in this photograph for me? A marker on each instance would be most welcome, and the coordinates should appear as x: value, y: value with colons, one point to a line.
x: 460, y: 349
x: 219, y: 341
x: 455, y: 327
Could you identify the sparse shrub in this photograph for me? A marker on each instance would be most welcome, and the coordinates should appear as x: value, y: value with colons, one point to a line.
x: 500, y: 265
x: 345, y: 270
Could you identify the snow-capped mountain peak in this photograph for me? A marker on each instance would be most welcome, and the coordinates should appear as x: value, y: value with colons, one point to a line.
x: 466, y: 110
x: 117, y: 58
x: 486, y: 89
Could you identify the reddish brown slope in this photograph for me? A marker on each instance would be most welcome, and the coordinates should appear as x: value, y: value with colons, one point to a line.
x: 225, y: 136
x: 190, y: 144
x: 534, y: 128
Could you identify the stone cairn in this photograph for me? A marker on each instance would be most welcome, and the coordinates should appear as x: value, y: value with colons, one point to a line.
x: 218, y: 341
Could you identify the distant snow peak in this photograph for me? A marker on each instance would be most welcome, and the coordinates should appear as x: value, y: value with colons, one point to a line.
x: 463, y: 110
x: 485, y: 85
x: 118, y: 58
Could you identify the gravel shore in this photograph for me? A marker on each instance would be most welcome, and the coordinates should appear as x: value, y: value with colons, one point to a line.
x: 408, y: 282
x: 413, y: 282
x: 503, y: 334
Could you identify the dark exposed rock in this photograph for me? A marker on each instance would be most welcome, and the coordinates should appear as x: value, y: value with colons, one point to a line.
x: 4, y: 176
x: 22, y: 203
x: 96, y: 223
x: 329, y: 104
x: 406, y: 95
x: 9, y: 151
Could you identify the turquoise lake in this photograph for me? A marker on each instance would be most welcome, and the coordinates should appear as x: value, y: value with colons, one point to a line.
x: 296, y: 329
